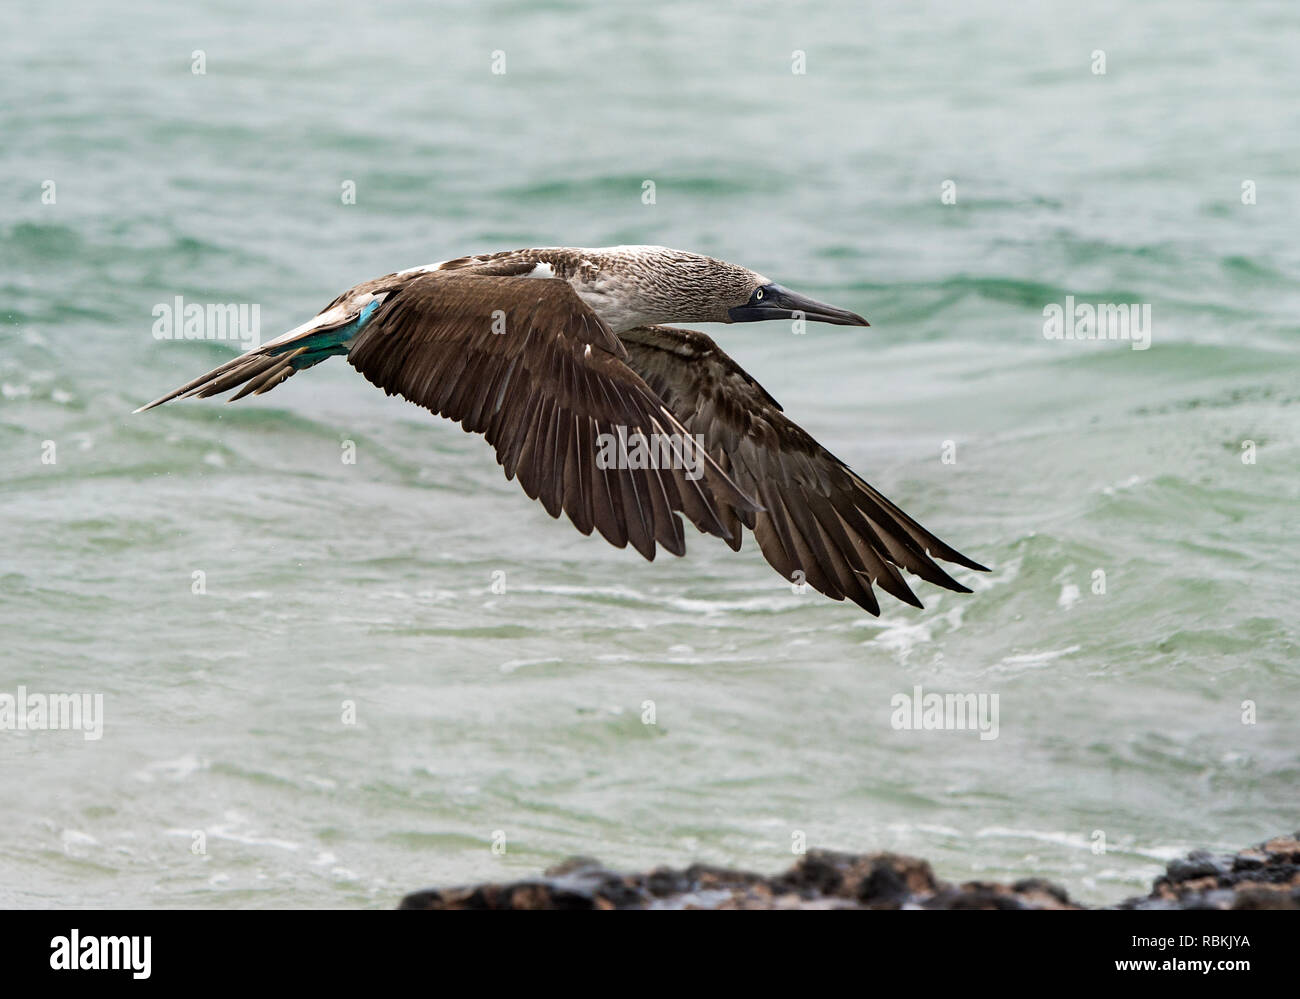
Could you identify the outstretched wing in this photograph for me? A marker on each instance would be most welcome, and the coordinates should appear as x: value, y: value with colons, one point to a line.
x: 525, y: 363
x: 819, y: 518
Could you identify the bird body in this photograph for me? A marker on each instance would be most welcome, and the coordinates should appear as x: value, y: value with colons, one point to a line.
x: 556, y: 353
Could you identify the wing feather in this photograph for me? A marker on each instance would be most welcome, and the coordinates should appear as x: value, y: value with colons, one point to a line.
x: 818, y: 516
x: 527, y: 363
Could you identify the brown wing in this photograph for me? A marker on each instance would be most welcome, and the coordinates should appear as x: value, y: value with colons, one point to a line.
x: 818, y: 517
x: 526, y: 363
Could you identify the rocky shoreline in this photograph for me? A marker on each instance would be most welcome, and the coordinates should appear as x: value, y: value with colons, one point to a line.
x: 1265, y: 876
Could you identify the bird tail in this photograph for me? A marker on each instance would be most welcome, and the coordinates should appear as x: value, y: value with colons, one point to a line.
x: 263, y: 368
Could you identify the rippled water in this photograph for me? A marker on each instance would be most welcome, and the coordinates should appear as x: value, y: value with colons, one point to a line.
x: 226, y: 775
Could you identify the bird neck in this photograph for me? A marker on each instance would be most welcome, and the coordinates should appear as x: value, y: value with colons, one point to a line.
x: 618, y: 297
x: 627, y: 290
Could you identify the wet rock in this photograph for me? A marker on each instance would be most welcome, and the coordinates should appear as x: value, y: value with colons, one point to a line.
x: 1199, y: 864
x: 821, y: 879
x: 1266, y: 876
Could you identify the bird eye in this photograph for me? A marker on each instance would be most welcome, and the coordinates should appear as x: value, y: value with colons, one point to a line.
x: 758, y: 295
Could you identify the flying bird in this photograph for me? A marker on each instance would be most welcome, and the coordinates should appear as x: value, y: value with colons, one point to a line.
x: 560, y: 359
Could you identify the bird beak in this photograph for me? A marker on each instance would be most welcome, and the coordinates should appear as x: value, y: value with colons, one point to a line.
x: 782, y: 303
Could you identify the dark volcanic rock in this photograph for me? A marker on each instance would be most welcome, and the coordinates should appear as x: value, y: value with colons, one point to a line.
x: 1262, y: 877
x: 820, y: 880
x: 1266, y: 876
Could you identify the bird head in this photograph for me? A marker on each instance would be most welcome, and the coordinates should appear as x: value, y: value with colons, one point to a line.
x: 656, y: 284
x: 768, y: 300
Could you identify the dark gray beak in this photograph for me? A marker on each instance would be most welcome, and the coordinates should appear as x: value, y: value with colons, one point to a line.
x: 782, y: 303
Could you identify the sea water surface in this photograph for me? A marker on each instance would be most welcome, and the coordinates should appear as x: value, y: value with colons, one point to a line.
x: 312, y: 693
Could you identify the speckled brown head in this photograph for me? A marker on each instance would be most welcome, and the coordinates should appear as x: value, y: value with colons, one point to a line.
x: 630, y: 286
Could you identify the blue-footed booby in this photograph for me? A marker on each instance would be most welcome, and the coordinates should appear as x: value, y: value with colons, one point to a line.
x: 552, y: 354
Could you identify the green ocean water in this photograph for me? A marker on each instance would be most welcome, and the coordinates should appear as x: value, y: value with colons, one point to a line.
x: 226, y: 775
